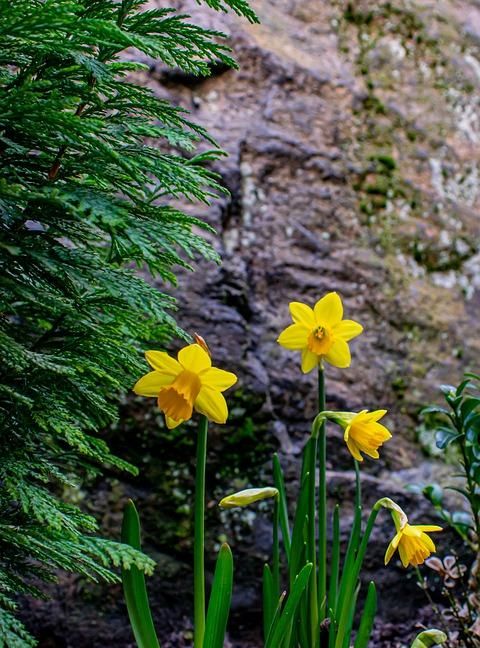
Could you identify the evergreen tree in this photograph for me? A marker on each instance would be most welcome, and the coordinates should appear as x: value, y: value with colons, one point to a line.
x: 88, y: 162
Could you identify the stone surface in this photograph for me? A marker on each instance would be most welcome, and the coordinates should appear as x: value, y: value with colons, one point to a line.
x: 353, y: 131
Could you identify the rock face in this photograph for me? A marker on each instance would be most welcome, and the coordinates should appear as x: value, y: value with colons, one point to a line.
x: 353, y: 131
x: 353, y: 136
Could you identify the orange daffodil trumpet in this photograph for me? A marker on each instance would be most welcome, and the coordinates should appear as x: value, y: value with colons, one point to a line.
x: 411, y: 540
x: 186, y: 384
x: 362, y: 431
x: 320, y: 333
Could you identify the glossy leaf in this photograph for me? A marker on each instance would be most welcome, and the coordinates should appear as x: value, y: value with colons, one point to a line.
x: 445, y: 436
x: 434, y: 493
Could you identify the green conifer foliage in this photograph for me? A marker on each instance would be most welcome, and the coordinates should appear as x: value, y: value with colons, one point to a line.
x: 88, y: 163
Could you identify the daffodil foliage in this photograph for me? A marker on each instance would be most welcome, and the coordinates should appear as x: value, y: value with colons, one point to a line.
x: 89, y: 161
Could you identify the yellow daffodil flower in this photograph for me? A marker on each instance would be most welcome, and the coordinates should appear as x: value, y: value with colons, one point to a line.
x: 186, y: 384
x: 362, y: 431
x: 413, y: 543
x: 411, y: 540
x: 320, y: 333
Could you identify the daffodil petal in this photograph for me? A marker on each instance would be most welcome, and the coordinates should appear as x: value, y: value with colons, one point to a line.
x: 302, y: 314
x: 309, y: 361
x: 193, y: 358
x: 152, y: 383
x: 294, y: 337
x: 212, y: 404
x: 380, y: 431
x: 392, y: 547
x: 347, y: 330
x: 161, y: 361
x: 404, y: 557
x: 371, y: 453
x: 328, y: 310
x: 428, y: 527
x: 218, y: 378
x: 172, y: 423
x: 354, y: 450
x: 339, y: 354
x: 428, y: 542
x: 376, y: 415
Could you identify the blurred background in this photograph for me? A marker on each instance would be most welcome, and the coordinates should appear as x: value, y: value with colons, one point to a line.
x: 352, y: 131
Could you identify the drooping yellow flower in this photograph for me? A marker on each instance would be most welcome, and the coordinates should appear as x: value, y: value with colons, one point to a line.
x: 413, y: 543
x: 365, y: 434
x: 186, y: 384
x: 362, y: 431
x: 320, y: 333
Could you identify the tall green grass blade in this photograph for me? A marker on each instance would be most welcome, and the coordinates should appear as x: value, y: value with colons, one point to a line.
x: 368, y: 618
x: 268, y: 601
x: 350, y: 580
x: 351, y: 617
x: 220, y: 600
x: 348, y: 562
x: 279, y: 482
x: 276, y: 617
x: 287, y: 616
x: 134, y: 588
x: 298, y: 535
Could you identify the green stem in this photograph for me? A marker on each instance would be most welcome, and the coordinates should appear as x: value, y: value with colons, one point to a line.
x: 322, y: 503
x: 312, y: 542
x: 199, y: 543
x: 276, y: 551
x: 358, y: 486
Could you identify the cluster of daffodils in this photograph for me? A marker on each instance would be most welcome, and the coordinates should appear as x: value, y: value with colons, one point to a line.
x: 190, y: 383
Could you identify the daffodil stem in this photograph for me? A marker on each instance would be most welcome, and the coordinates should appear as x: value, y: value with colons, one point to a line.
x: 199, y: 542
x: 358, y: 486
x: 322, y: 503
x: 276, y: 551
x: 312, y: 541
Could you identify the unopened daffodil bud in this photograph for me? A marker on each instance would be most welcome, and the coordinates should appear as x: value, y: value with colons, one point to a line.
x: 429, y: 638
x: 248, y: 496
